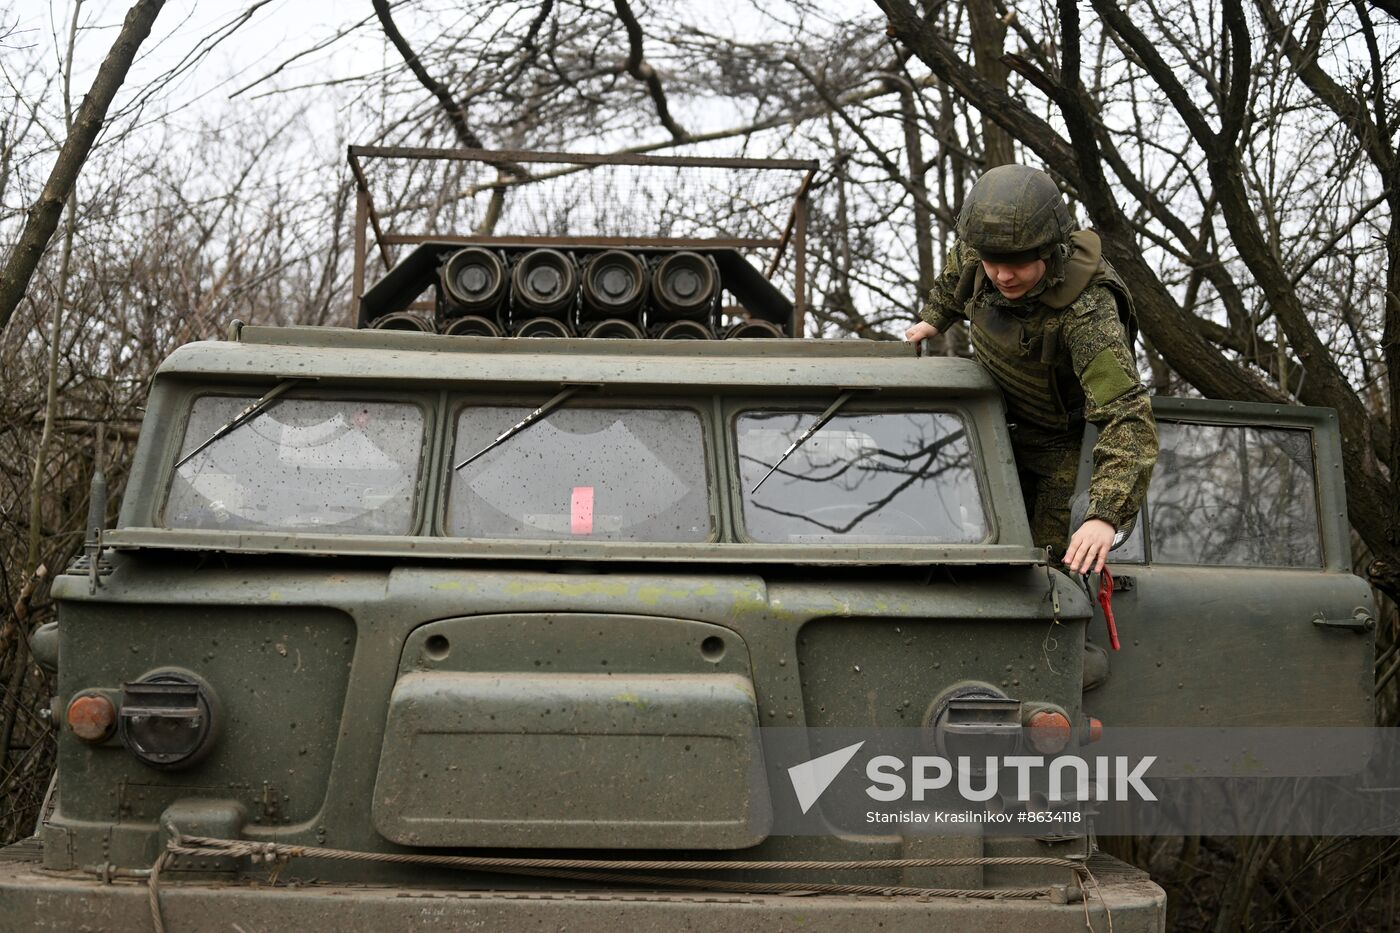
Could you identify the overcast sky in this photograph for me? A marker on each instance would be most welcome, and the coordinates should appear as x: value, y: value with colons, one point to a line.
x: 209, y: 82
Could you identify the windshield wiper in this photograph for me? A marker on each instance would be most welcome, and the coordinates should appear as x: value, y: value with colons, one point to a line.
x: 528, y: 420
x: 817, y: 425
x: 244, y: 416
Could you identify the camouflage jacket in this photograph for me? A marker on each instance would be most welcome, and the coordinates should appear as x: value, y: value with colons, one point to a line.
x: 1056, y: 366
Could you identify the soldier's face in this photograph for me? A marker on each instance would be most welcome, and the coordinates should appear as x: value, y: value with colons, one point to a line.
x: 1014, y: 279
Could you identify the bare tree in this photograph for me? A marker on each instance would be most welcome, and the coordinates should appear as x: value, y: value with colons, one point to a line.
x: 92, y: 114
x: 1222, y: 137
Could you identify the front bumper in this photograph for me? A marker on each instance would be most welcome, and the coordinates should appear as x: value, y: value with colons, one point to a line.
x: 32, y: 898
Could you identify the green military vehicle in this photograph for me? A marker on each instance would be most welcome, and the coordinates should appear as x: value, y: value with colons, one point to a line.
x: 402, y: 630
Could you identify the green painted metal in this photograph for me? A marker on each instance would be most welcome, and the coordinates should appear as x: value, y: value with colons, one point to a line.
x: 715, y: 380
x: 1237, y: 646
x: 35, y: 900
x: 626, y: 711
x: 424, y: 693
x: 495, y: 618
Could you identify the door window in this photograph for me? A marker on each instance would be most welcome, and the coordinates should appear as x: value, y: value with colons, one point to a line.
x: 1225, y: 495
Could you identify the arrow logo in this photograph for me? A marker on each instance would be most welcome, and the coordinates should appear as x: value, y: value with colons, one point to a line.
x: 811, y: 778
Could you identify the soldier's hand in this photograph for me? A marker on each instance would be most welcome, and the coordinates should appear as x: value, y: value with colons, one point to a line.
x: 920, y: 331
x: 1088, y: 548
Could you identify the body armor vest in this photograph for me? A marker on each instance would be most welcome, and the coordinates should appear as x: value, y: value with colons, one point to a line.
x: 1021, y: 347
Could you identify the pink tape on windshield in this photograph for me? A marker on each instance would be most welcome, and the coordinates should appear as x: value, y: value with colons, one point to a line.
x: 581, y: 511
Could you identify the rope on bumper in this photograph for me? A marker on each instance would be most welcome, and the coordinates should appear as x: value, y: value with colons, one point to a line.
x: 153, y: 892
x: 784, y: 887
x: 619, y: 870
x: 276, y: 851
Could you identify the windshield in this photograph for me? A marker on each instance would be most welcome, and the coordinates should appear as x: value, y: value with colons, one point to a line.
x: 605, y: 474
x: 299, y: 465
x: 890, y: 477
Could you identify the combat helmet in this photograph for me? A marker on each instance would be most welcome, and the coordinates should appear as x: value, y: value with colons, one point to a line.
x: 1013, y: 212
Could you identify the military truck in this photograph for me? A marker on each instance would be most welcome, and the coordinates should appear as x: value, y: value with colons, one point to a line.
x: 410, y: 630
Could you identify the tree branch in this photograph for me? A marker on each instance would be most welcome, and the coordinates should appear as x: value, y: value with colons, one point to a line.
x: 456, y: 114
x: 1162, y: 74
x: 1329, y: 92
x: 638, y: 68
x: 1390, y: 6
x: 945, y: 61
x: 1236, y: 103
x: 43, y: 217
x: 890, y: 166
x: 1363, y: 434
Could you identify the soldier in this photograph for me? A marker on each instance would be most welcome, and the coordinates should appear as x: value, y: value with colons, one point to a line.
x: 1048, y: 318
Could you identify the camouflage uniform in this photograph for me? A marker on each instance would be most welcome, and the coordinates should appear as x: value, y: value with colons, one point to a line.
x: 1060, y: 358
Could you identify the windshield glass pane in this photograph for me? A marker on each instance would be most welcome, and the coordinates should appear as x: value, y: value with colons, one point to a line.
x: 893, y: 477
x: 338, y: 466
x: 603, y: 474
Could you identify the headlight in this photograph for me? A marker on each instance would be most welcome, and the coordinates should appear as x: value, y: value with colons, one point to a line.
x: 168, y: 719
x: 976, y: 720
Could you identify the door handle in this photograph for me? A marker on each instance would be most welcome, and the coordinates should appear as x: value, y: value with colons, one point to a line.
x: 1360, y: 622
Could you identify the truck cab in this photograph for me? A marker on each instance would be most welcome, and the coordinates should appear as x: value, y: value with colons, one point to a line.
x: 403, y: 629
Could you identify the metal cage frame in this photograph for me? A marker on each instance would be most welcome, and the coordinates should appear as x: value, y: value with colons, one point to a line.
x: 368, y: 219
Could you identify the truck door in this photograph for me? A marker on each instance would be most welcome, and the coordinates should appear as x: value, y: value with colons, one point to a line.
x: 1235, y: 600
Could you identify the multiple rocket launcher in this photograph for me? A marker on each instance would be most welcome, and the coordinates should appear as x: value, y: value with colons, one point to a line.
x: 548, y: 293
